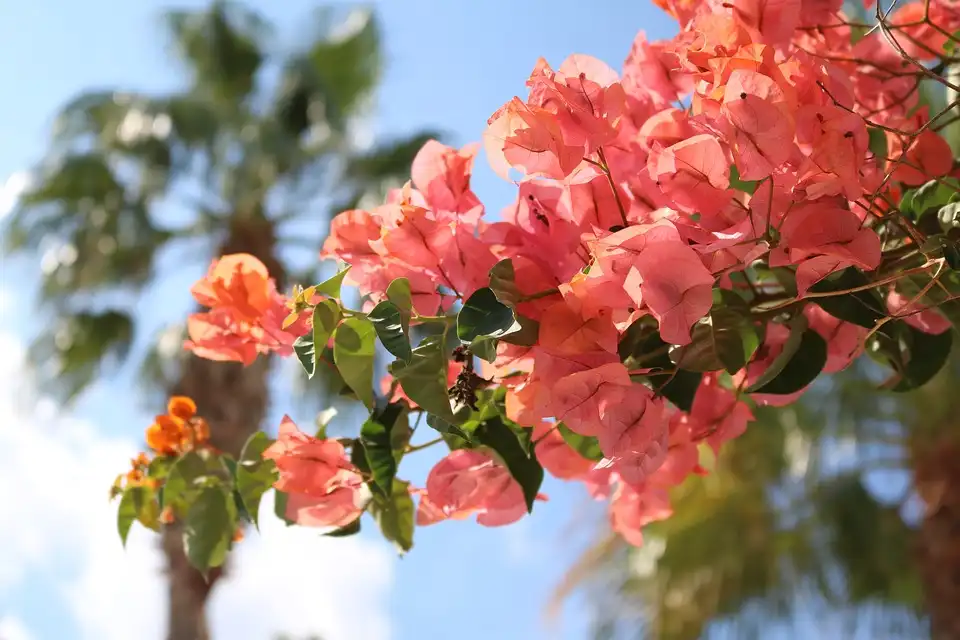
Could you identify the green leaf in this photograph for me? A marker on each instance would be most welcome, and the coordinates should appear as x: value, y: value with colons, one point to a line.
x: 503, y: 283
x: 722, y: 340
x: 526, y: 335
x: 400, y: 434
x: 255, y: 475
x: 280, y: 506
x: 878, y: 142
x: 484, y: 348
x: 586, y: 446
x: 132, y: 503
x: 388, y: 322
x: 928, y: 353
x: 231, y: 465
x: 949, y: 216
x: 306, y: 354
x: 354, y: 349
x: 747, y: 186
x: 376, y: 435
x: 331, y: 286
x: 160, y: 467
x: 398, y: 292
x: 424, y: 378
x: 186, y: 478
x: 209, y: 527
x: 641, y: 347
x: 935, y: 194
x: 346, y: 530
x: 395, y: 515
x: 526, y: 470
x: 906, y: 203
x: 483, y: 315
x: 445, y: 428
x: 801, y: 361
x: 326, y: 317
x: 358, y: 457
x: 680, y: 390
x: 863, y: 308
x: 323, y: 419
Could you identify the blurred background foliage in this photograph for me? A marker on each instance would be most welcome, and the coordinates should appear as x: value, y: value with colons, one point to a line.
x: 258, y: 150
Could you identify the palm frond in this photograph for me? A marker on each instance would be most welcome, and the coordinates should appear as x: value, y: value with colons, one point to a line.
x: 222, y: 49
x: 80, y: 347
x: 94, y: 232
x: 347, y: 60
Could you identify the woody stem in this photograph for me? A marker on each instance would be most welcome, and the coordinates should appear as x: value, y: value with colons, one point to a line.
x: 613, y: 185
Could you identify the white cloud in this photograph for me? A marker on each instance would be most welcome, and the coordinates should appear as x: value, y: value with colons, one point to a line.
x: 13, y: 629
x: 56, y: 475
x: 12, y: 189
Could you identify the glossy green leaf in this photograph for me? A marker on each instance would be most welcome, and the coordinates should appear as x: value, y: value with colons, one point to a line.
x: 503, y: 283
x: 906, y: 203
x: 928, y: 353
x: 525, y: 469
x: 331, y: 286
x: 935, y: 194
x: 586, y: 446
x: 376, y: 435
x: 326, y: 317
x: 949, y: 216
x: 722, y: 340
x: 306, y: 355
x: 208, y: 528
x: 351, y: 529
x: 424, y: 378
x: 446, y: 429
x: 801, y: 361
x: 680, y: 389
x: 863, y: 308
x: 136, y: 503
x: 388, y: 322
x: 640, y: 347
x: 524, y: 336
x: 160, y: 467
x: 878, y: 142
x: 358, y: 456
x: 280, y: 506
x: 398, y: 292
x: 323, y: 420
x: 484, y: 348
x: 395, y: 515
x: 400, y: 434
x: 354, y: 349
x: 747, y: 186
x: 187, y: 476
x: 255, y: 475
x: 483, y: 315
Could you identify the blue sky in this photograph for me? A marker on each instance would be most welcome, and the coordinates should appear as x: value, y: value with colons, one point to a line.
x: 450, y: 65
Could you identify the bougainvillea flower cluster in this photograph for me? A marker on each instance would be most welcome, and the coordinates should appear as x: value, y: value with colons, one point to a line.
x: 756, y: 201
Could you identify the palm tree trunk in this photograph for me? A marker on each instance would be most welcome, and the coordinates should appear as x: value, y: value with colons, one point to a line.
x: 234, y: 400
x: 938, y: 484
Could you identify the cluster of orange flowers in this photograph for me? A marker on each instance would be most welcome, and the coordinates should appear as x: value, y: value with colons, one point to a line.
x: 178, y: 431
x: 137, y: 476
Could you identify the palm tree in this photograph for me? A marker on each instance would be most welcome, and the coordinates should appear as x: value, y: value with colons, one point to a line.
x: 224, y: 166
